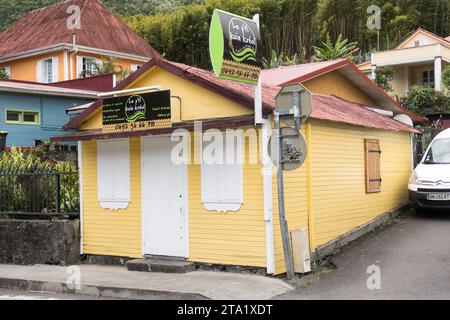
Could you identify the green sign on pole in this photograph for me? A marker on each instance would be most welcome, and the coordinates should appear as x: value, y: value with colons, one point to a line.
x: 235, y: 47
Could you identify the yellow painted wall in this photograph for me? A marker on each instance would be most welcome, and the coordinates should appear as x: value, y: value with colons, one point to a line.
x: 107, y: 232
x: 336, y: 84
x: 235, y: 238
x: 339, y: 201
x: 331, y: 204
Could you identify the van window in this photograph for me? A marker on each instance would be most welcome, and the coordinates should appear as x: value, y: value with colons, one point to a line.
x: 439, y: 152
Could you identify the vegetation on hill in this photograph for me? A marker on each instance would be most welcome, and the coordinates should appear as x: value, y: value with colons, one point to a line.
x: 179, y: 28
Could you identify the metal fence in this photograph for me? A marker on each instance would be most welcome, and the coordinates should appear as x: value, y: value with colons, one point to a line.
x: 39, y: 192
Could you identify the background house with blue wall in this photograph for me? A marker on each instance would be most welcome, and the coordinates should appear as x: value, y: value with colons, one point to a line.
x: 33, y: 113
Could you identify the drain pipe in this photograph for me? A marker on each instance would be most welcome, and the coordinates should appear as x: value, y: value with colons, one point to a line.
x: 74, y: 52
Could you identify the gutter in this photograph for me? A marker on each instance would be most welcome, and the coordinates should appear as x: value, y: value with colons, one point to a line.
x: 74, y: 52
x: 67, y: 46
x: 49, y: 92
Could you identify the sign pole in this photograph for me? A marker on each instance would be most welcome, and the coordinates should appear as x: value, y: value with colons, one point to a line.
x: 281, y: 208
x: 258, y: 88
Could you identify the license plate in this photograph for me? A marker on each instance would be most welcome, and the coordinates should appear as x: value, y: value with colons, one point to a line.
x: 439, y: 197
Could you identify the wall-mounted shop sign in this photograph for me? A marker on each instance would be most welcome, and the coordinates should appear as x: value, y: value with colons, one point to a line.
x: 235, y: 47
x: 137, y: 112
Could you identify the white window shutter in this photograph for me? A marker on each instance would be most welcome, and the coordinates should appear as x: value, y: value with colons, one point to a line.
x: 8, y: 70
x: 135, y: 67
x: 55, y: 70
x: 222, y: 184
x: 40, y: 72
x: 113, y: 173
x: 79, y: 68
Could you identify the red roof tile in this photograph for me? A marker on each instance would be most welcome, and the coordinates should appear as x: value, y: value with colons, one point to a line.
x: 100, y: 29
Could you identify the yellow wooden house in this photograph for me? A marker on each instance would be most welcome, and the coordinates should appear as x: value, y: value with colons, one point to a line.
x: 136, y: 202
x: 65, y: 41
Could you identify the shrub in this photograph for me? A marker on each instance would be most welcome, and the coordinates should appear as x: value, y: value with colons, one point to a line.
x: 426, y: 101
x: 28, y: 182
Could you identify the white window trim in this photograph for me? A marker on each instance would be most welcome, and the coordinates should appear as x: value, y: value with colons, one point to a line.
x: 7, y: 70
x: 80, y: 64
x: 103, y: 178
x: 135, y: 67
x: 42, y: 74
x: 222, y: 204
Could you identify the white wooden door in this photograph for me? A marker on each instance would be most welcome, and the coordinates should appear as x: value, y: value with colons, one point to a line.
x: 163, y: 199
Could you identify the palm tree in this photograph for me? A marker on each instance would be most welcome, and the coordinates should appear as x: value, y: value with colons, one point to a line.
x: 341, y: 49
x: 108, y: 65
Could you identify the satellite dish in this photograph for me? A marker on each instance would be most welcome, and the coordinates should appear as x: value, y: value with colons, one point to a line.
x: 403, y: 118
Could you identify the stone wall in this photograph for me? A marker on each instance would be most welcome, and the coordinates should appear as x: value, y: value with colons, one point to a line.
x: 28, y: 242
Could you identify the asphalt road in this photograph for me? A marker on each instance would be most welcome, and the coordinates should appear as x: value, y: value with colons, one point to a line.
x: 410, y: 257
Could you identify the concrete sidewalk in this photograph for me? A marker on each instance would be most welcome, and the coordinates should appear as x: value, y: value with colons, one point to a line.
x: 118, y: 282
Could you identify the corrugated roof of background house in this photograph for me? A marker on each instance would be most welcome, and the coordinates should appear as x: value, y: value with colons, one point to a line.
x: 281, y: 75
x: 100, y: 29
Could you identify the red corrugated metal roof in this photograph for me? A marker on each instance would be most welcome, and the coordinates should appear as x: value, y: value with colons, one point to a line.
x: 283, y: 75
x: 332, y: 108
x: 325, y: 107
x: 100, y: 29
x: 100, y: 83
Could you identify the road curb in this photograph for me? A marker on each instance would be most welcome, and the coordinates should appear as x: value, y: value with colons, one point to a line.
x: 96, y: 291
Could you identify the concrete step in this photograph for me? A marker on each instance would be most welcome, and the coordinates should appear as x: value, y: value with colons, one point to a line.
x: 163, y: 265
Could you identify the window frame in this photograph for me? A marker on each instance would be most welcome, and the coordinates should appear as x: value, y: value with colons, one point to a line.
x: 7, y: 70
x: 88, y: 61
x: 21, y: 117
x: 431, y: 79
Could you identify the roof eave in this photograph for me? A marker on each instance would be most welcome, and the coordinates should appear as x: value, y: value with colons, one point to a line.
x: 49, y: 92
x: 68, y: 47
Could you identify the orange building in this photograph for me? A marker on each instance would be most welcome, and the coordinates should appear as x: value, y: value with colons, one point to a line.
x: 63, y: 41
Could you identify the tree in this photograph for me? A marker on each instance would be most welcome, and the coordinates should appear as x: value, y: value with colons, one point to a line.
x: 446, y: 78
x: 384, y: 77
x: 426, y: 101
x: 3, y: 75
x: 107, y: 66
x: 279, y: 60
x: 341, y: 49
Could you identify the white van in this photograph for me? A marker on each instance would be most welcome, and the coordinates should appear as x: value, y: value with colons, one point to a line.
x: 429, y: 185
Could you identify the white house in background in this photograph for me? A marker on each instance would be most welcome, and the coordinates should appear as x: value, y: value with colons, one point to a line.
x: 418, y: 60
